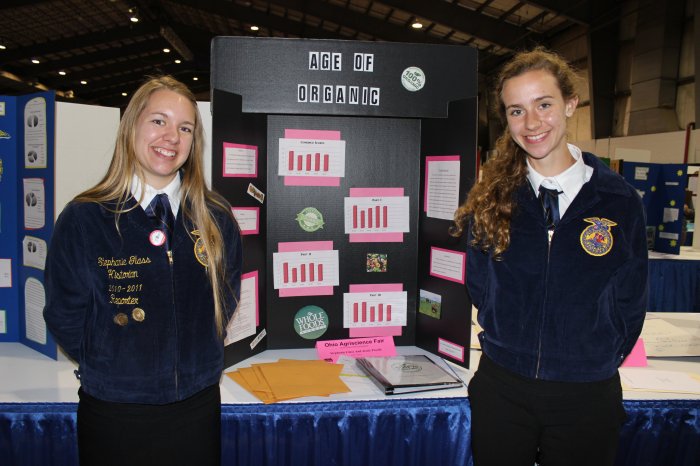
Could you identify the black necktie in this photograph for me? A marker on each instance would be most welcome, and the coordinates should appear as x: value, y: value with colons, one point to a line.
x: 550, y: 202
x: 162, y: 216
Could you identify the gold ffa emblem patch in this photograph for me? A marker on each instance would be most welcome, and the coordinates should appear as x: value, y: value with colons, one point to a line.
x: 596, y: 238
x: 200, y: 252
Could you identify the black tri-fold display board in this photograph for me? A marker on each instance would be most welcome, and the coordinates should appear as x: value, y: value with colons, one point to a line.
x: 344, y: 162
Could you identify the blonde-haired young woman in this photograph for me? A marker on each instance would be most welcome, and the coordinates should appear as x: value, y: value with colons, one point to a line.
x: 142, y: 276
x: 557, y: 269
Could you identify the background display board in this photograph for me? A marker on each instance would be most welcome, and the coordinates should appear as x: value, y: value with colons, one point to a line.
x: 662, y: 187
x: 27, y: 128
x: 344, y: 162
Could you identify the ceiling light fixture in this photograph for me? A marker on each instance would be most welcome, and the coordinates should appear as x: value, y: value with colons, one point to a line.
x: 178, y: 61
x: 83, y: 82
x: 254, y: 28
x: 124, y: 94
x: 195, y: 78
x: 166, y: 50
x: 176, y: 43
x: 417, y: 25
x: 35, y: 61
x: 133, y: 15
x: 2, y: 46
x: 62, y: 73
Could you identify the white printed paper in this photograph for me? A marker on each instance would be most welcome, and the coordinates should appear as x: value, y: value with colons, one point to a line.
x: 447, y: 264
x: 380, y: 214
x: 311, y: 157
x: 305, y: 269
x: 35, y: 145
x: 651, y: 380
x: 442, y: 195
x: 641, y: 173
x: 242, y: 324
x: 34, y: 252
x: 34, y: 302
x: 663, y: 339
x: 34, y: 203
x: 240, y: 160
x: 670, y: 214
x: 247, y: 219
x: 5, y: 273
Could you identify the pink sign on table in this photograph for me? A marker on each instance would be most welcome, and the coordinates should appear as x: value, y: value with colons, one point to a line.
x: 356, y: 348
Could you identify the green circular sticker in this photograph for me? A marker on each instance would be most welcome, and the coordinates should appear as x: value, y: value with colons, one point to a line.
x: 310, y: 219
x: 310, y: 322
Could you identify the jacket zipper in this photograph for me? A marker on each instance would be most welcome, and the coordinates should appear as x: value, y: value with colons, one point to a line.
x: 169, y: 252
x: 550, y: 234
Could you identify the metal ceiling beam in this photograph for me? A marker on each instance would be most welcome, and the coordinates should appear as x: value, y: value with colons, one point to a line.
x: 259, y: 18
x: 369, y: 25
x: 466, y: 21
x: 78, y: 42
x: 578, y: 11
x: 132, y: 51
x: 95, y: 75
x: 8, y: 4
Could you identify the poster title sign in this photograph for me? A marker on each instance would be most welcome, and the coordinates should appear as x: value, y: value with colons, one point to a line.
x: 338, y: 93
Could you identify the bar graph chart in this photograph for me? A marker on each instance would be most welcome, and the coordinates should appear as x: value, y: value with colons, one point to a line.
x: 374, y: 309
x: 376, y: 214
x: 302, y: 269
x: 311, y: 157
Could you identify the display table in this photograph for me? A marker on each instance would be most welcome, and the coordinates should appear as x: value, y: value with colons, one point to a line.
x: 674, y: 281
x: 38, y: 403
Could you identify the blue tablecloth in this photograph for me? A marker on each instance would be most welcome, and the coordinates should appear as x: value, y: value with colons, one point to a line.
x: 392, y: 432
x: 674, y: 285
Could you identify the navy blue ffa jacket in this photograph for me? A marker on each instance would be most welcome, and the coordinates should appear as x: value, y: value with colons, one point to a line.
x: 139, y: 324
x: 570, y: 310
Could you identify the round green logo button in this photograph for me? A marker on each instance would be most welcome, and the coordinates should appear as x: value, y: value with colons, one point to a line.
x: 310, y: 219
x: 310, y: 322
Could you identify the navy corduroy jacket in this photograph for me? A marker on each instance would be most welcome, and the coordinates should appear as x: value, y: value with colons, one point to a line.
x: 140, y: 326
x: 571, y: 310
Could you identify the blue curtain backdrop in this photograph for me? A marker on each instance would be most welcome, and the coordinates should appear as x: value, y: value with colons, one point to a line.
x: 393, y: 432
x: 674, y: 285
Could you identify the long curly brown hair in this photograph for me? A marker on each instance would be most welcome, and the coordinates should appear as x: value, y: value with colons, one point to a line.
x: 490, y: 203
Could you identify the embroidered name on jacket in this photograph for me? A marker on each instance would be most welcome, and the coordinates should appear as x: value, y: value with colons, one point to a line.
x: 596, y: 238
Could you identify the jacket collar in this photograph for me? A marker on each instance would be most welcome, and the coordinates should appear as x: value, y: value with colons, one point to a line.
x: 603, y: 181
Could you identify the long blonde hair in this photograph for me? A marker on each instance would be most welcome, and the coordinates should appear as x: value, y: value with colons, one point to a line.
x: 197, y: 199
x: 491, y: 202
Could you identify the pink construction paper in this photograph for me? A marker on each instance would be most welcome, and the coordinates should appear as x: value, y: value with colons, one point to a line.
x: 394, y: 330
x: 254, y: 275
x: 444, y: 277
x: 376, y: 237
x: 239, y: 175
x: 638, y: 356
x: 311, y: 134
x: 305, y: 246
x: 356, y: 348
x: 428, y: 160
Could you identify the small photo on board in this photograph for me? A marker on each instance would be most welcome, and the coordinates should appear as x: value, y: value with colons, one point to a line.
x: 376, y: 262
x: 430, y: 304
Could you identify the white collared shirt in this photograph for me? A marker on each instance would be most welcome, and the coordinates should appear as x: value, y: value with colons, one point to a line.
x: 172, y: 190
x: 568, y: 183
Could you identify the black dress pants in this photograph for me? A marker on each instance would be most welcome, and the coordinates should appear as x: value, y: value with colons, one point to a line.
x: 186, y: 433
x: 518, y: 421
